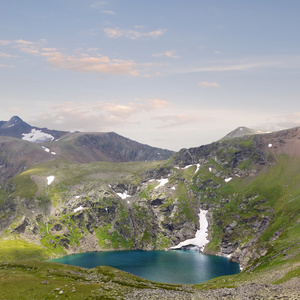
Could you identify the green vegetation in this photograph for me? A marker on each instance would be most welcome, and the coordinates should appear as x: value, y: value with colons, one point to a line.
x: 258, y: 210
x: 16, y: 249
x: 43, y: 280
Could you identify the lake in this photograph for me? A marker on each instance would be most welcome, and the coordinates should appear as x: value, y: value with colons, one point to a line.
x: 177, y: 266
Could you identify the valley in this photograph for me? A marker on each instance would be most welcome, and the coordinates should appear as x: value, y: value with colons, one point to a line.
x: 99, y: 192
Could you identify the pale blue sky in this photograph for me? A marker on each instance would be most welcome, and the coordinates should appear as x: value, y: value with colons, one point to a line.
x: 168, y: 73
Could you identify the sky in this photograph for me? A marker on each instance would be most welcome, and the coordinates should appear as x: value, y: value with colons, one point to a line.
x: 168, y: 73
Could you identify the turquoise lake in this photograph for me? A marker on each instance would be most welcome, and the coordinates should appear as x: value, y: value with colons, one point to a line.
x: 181, y: 267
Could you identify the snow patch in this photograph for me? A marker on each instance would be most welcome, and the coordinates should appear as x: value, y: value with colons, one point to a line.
x: 37, y: 136
x: 46, y: 149
x: 200, y: 240
x: 123, y: 195
x: 78, y: 209
x: 162, y: 182
x: 227, y: 179
x: 188, y: 166
x: 270, y: 145
x: 173, y: 188
x: 210, y: 169
x: 50, y: 179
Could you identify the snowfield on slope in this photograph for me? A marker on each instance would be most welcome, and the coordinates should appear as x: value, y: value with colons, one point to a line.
x: 200, y: 240
x: 37, y: 136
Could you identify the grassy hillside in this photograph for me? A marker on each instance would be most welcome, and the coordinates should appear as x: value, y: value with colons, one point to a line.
x: 251, y: 190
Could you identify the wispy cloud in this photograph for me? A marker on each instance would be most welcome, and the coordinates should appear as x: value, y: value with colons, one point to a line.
x: 79, y: 61
x: 27, y: 46
x: 5, y: 43
x: 99, y: 115
x: 7, y: 66
x: 170, y: 54
x: 87, y: 63
x: 149, y: 105
x: 108, y: 12
x: 233, y: 67
x: 281, y: 122
x: 172, y: 120
x: 96, y: 4
x: 6, y: 55
x: 209, y: 84
x: 115, y: 33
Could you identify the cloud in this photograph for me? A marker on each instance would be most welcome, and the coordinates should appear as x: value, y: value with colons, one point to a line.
x: 5, y: 43
x: 7, y: 66
x: 6, y: 55
x: 281, y: 122
x: 87, y: 117
x: 209, y: 84
x: 87, y: 63
x: 170, y: 54
x: 99, y: 115
x: 23, y: 42
x: 115, y: 33
x: 108, y: 12
x: 158, y: 103
x: 27, y: 46
x: 92, y: 49
x: 234, y: 67
x: 98, y: 3
x: 80, y: 61
x: 172, y: 120
x: 49, y: 49
x: 149, y: 105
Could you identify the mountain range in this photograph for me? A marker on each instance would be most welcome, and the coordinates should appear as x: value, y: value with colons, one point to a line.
x: 23, y: 145
x: 82, y: 192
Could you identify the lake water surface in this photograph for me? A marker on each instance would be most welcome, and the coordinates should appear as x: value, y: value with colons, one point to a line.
x: 185, y: 267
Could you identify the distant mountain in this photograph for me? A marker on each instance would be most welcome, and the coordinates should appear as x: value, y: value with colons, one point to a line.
x: 105, y: 146
x: 241, y: 132
x: 16, y: 154
x: 17, y: 128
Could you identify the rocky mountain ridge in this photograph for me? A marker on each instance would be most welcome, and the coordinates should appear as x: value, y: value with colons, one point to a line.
x: 241, y: 132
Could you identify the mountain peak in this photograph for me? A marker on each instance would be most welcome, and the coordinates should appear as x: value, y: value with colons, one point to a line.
x: 242, y: 131
x: 15, y: 120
